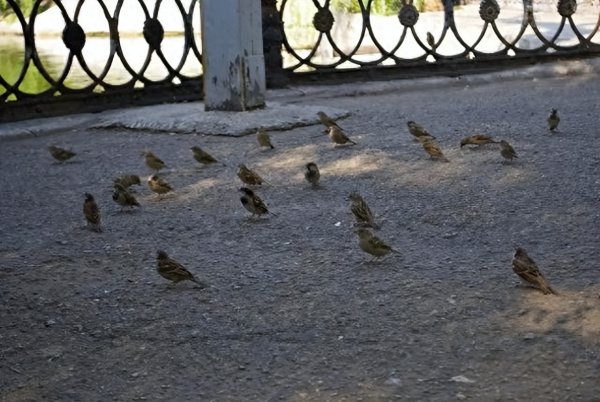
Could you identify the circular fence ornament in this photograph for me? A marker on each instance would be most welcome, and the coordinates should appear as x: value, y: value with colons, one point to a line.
x: 408, y: 15
x: 489, y: 10
x: 567, y: 8
x: 323, y: 20
x: 73, y: 37
x: 153, y: 32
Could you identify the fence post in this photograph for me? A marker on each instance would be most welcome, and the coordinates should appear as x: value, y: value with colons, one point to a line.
x: 272, y: 44
x: 232, y: 55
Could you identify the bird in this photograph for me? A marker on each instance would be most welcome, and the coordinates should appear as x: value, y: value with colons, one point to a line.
x: 418, y: 131
x: 170, y: 269
x: 127, y: 180
x: 338, y: 136
x: 92, y: 212
x: 158, y: 185
x: 528, y: 271
x: 327, y: 121
x: 253, y: 202
x: 202, y: 156
x: 369, y: 243
x: 60, y: 154
x: 263, y: 138
x: 477, y: 139
x: 249, y: 176
x: 312, y: 174
x: 123, y: 197
x: 361, y: 211
x: 434, y: 150
x: 507, y: 151
x: 153, y: 161
x: 553, y: 120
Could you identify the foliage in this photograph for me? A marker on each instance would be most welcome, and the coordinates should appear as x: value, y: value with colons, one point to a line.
x: 378, y: 7
x: 7, y: 13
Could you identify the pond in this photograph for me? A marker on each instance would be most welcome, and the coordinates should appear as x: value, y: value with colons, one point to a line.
x: 54, y: 56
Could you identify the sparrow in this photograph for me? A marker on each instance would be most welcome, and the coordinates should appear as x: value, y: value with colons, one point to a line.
x: 202, y: 156
x: 369, y: 243
x: 312, y: 174
x: 91, y: 212
x: 153, y: 161
x: 477, y: 139
x: 507, y: 151
x: 60, y: 154
x: 327, y: 121
x: 127, y: 180
x: 553, y: 120
x: 172, y: 270
x: 434, y: 150
x: 249, y: 176
x: 361, y: 211
x: 418, y: 131
x: 123, y: 197
x: 526, y: 268
x: 338, y: 136
x: 253, y: 202
x: 158, y: 185
x: 263, y: 138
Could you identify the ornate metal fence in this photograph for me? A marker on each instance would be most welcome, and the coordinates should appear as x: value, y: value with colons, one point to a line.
x: 120, y: 52
x: 459, y: 36
x: 119, y: 76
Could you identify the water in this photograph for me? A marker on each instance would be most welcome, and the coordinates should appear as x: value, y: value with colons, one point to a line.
x: 54, y: 56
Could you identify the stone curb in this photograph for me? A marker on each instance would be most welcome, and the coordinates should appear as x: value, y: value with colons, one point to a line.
x: 281, y: 112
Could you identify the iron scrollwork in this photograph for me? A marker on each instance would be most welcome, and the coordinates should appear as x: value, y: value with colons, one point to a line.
x: 174, y: 85
x: 326, y: 52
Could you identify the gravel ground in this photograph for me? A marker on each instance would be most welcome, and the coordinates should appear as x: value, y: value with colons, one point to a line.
x: 294, y: 310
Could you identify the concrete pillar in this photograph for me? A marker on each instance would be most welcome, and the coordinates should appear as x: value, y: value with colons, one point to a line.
x: 232, y: 55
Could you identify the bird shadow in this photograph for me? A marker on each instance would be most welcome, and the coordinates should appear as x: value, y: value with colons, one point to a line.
x: 59, y: 163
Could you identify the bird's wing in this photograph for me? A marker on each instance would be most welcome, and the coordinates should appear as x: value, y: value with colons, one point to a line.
x: 259, y: 204
x: 378, y: 243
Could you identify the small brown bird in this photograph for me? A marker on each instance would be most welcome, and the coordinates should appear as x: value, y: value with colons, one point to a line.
x: 527, y: 269
x: 434, y: 150
x: 123, y: 197
x: 507, y: 151
x: 553, y: 120
x: 153, y: 161
x: 369, y: 243
x: 172, y: 270
x: 477, y: 139
x: 312, y: 174
x: 253, y: 202
x: 249, y: 176
x: 92, y: 213
x: 338, y: 136
x: 327, y: 121
x: 127, y: 180
x: 158, y: 185
x: 418, y: 131
x: 202, y: 156
x: 361, y: 211
x: 263, y: 138
x: 60, y: 154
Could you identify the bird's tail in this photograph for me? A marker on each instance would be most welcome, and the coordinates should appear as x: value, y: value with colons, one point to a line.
x: 546, y: 289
